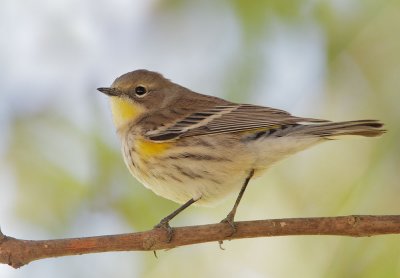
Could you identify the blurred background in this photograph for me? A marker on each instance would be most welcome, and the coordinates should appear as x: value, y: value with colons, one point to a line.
x: 61, y: 172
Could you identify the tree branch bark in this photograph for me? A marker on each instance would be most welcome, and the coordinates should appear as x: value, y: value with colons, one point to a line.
x: 19, y: 252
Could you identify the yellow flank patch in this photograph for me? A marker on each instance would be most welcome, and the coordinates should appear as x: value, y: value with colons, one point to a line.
x: 124, y: 111
x: 150, y: 149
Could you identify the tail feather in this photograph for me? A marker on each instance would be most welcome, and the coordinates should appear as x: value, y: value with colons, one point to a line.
x: 368, y: 128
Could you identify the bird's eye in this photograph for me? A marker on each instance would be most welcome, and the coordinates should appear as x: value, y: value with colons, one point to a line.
x: 140, y: 90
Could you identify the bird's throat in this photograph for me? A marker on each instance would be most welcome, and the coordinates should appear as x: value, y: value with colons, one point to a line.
x: 124, y: 111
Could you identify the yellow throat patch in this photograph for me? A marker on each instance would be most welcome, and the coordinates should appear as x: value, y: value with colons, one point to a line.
x: 124, y: 111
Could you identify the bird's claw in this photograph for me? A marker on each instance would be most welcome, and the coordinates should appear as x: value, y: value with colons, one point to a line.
x: 229, y: 219
x: 165, y: 225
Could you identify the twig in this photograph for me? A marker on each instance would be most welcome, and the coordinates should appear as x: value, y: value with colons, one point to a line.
x: 18, y: 252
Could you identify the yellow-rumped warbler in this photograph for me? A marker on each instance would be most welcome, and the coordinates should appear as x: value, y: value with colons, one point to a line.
x: 192, y: 148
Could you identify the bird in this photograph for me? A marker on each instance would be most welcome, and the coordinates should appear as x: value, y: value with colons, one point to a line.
x: 198, y: 149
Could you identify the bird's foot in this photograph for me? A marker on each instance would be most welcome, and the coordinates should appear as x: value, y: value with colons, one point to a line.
x: 164, y: 224
x: 230, y: 220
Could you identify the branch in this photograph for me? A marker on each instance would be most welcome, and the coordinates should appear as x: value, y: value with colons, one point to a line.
x: 18, y: 252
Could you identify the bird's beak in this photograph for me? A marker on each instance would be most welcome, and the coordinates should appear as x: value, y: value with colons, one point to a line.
x: 108, y: 91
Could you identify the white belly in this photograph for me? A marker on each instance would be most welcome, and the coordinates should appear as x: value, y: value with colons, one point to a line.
x: 216, y: 175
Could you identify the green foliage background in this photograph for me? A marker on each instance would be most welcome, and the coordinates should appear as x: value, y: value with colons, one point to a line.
x: 68, y: 176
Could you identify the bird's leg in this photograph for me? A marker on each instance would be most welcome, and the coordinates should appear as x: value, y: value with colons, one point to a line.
x: 164, y: 223
x: 231, y: 215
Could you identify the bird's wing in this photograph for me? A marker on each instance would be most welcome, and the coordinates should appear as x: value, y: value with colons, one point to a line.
x: 227, y: 119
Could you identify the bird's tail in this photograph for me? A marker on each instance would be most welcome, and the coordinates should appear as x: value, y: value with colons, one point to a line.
x: 369, y: 128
